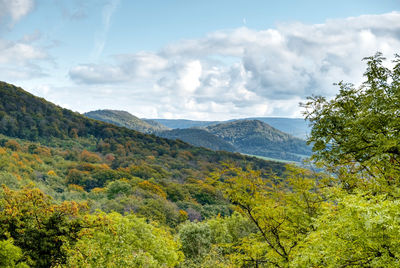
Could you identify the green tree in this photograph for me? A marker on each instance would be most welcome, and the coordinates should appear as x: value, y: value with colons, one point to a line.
x: 282, y: 211
x: 357, y: 136
x: 37, y: 226
x: 10, y: 255
x: 123, y: 241
x: 361, y: 230
x: 195, y: 239
x: 358, y: 130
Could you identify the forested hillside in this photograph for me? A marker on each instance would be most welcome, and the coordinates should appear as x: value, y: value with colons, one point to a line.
x: 258, y: 138
x: 104, y: 196
x: 182, y: 123
x: 71, y: 166
x: 252, y: 137
x: 198, y: 137
x: 125, y: 119
x: 297, y: 127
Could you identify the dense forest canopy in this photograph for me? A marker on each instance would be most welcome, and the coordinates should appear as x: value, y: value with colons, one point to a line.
x: 67, y: 202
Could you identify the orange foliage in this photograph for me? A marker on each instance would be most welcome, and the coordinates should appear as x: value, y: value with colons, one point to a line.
x: 43, y: 151
x: 97, y: 190
x: 110, y: 157
x: 13, y: 145
x: 104, y: 166
x: 151, y: 157
x: 183, y: 215
x: 51, y: 173
x: 186, y: 155
x: 75, y: 187
x: 15, y: 156
x: 87, y: 167
x: 154, y: 188
x: 38, y: 159
x: 2, y: 150
x: 31, y: 202
x: 90, y: 157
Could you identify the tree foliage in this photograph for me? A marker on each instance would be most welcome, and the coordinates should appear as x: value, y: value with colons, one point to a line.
x: 281, y: 210
x: 359, y: 128
x: 37, y: 226
x: 347, y: 217
x: 118, y: 241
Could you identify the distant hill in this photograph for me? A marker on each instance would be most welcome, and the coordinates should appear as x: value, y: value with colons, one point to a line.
x: 297, y: 127
x: 255, y: 137
x: 125, y: 119
x: 25, y: 116
x: 182, y: 123
x: 294, y: 126
x: 72, y: 157
x: 198, y: 137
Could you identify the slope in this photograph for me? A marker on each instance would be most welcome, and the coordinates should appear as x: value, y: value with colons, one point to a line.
x: 182, y: 123
x: 294, y: 126
x: 198, y: 137
x: 125, y: 119
x: 255, y: 137
x: 72, y: 157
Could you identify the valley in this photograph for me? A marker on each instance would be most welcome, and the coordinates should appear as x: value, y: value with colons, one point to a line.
x: 247, y: 136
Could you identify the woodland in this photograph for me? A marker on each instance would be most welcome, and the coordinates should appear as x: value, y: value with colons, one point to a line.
x: 77, y: 192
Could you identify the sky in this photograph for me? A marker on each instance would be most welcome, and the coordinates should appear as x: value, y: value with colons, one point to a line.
x: 200, y: 60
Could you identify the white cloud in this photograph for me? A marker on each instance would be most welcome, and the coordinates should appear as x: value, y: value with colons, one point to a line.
x: 244, y: 72
x: 21, y: 60
x: 94, y: 74
x: 15, y: 9
x: 189, y: 77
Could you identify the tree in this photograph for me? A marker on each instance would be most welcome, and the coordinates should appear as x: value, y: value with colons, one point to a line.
x: 10, y: 255
x: 357, y: 136
x: 361, y: 230
x: 123, y: 241
x: 37, y: 226
x: 360, y: 128
x: 196, y: 240
x: 282, y: 211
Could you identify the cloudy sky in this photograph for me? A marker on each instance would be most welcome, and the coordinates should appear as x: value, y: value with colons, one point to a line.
x: 206, y: 60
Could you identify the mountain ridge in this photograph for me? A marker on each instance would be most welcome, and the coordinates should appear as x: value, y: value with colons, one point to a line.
x: 255, y: 137
x: 126, y: 119
x: 260, y: 139
x: 297, y: 127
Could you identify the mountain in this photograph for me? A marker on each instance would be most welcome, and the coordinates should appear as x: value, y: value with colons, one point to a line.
x: 198, y: 137
x: 25, y: 116
x: 255, y: 137
x: 125, y: 119
x: 73, y: 157
x: 182, y: 123
x: 294, y: 126
x: 297, y: 127
x: 156, y: 125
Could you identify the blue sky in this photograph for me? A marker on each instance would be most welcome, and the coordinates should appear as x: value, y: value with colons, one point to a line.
x: 203, y: 60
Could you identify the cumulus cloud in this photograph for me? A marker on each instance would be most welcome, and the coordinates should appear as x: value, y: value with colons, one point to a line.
x: 248, y: 72
x: 21, y: 59
x: 15, y: 9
